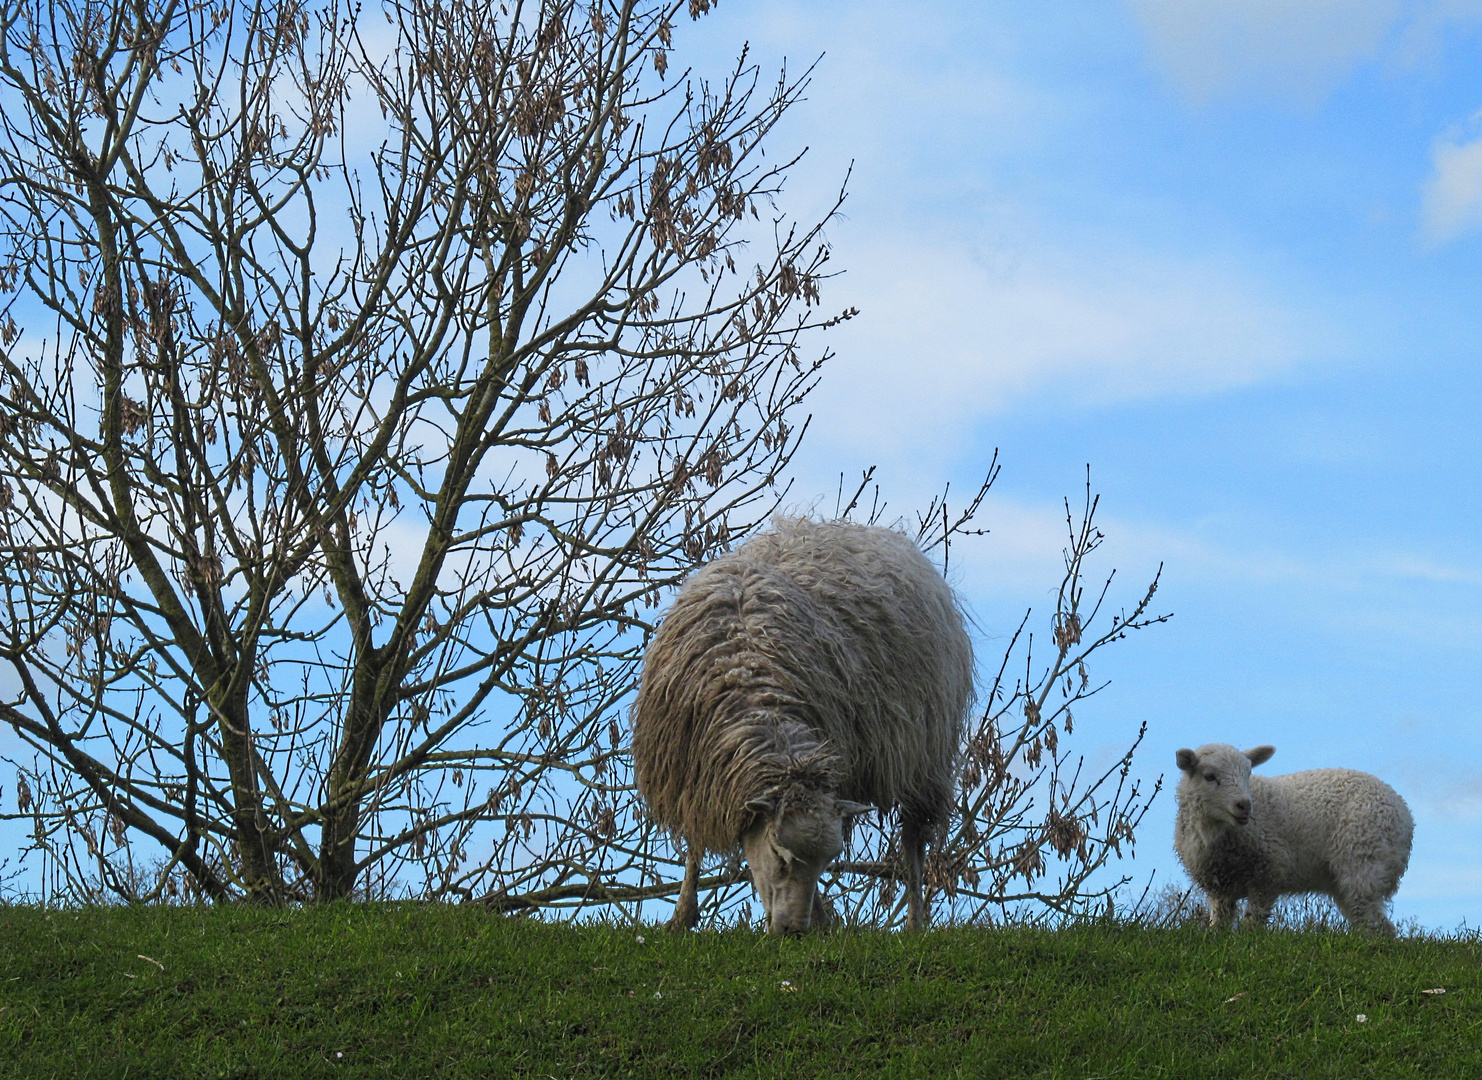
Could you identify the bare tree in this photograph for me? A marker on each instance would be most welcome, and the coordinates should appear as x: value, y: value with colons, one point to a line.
x: 1033, y: 828
x: 367, y: 380
x: 1028, y: 810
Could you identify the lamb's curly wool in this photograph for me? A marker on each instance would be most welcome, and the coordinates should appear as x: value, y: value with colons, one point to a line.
x: 816, y: 658
x: 1335, y: 831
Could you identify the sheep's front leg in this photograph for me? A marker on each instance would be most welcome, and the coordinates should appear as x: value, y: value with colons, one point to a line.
x: 823, y: 912
x: 687, y: 909
x: 913, y: 843
x: 1221, y: 911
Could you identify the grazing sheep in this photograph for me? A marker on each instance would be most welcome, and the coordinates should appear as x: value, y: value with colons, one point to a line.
x: 1334, y: 831
x: 818, y: 668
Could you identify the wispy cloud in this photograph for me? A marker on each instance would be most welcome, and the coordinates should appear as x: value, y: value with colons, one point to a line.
x: 1448, y: 791
x: 947, y: 338
x: 1291, y: 50
x: 1297, y: 49
x: 1020, y: 557
x: 1451, y: 202
x: 1424, y: 35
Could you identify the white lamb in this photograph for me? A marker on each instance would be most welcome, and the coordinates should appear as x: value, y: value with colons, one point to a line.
x: 1334, y: 831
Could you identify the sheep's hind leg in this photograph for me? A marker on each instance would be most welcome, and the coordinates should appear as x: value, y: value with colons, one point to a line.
x: 913, y: 844
x: 1258, y: 910
x: 687, y: 909
x: 1221, y: 912
x: 1365, y: 913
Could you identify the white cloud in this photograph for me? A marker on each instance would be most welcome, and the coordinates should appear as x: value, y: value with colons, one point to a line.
x: 1292, y: 49
x: 1265, y: 48
x: 945, y: 340
x: 1451, y: 202
x: 1424, y: 38
x: 1020, y: 559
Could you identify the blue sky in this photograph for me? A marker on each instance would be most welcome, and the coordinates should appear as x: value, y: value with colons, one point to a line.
x: 1230, y: 255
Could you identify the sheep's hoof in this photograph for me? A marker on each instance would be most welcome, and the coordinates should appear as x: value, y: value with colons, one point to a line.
x: 685, y: 917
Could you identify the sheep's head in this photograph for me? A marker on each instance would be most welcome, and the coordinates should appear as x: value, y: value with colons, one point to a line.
x: 1216, y: 782
x: 794, y: 833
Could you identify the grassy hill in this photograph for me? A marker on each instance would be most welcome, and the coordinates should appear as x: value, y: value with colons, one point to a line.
x: 406, y: 991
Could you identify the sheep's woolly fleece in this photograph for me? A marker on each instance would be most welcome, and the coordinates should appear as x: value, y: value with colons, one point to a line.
x: 822, y: 655
x: 1335, y: 831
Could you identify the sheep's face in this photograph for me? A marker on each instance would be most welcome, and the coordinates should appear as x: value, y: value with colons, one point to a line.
x: 1216, y: 782
x: 791, y: 839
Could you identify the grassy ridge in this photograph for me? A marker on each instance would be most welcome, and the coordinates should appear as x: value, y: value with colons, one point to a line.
x: 451, y: 992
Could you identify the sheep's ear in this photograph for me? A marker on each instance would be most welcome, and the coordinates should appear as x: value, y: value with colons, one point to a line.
x: 764, y: 807
x: 1188, y: 761
x: 849, y: 809
x: 1260, y: 754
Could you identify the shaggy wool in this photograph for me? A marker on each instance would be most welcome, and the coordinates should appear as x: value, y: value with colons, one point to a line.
x: 822, y: 654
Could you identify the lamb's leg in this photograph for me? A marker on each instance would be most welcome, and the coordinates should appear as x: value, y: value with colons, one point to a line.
x: 913, y: 844
x: 1258, y: 909
x: 1366, y: 913
x: 1378, y: 921
x: 687, y: 909
x: 1221, y: 912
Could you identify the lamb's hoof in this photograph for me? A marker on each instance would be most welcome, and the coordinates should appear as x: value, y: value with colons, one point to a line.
x: 684, y: 918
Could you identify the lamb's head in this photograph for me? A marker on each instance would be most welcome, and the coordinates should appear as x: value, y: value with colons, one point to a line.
x: 1216, y: 782
x: 795, y: 832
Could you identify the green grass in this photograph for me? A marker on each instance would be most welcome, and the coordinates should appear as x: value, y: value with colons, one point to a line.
x: 404, y: 991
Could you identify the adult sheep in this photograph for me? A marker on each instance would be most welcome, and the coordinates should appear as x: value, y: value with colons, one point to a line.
x: 1334, y: 831
x: 818, y: 668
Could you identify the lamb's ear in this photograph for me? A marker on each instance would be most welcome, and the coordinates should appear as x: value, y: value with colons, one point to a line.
x: 1260, y: 754
x: 1188, y: 761
x: 849, y: 809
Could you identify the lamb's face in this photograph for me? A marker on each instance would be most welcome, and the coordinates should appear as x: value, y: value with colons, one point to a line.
x: 1216, y: 782
x: 792, y: 839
